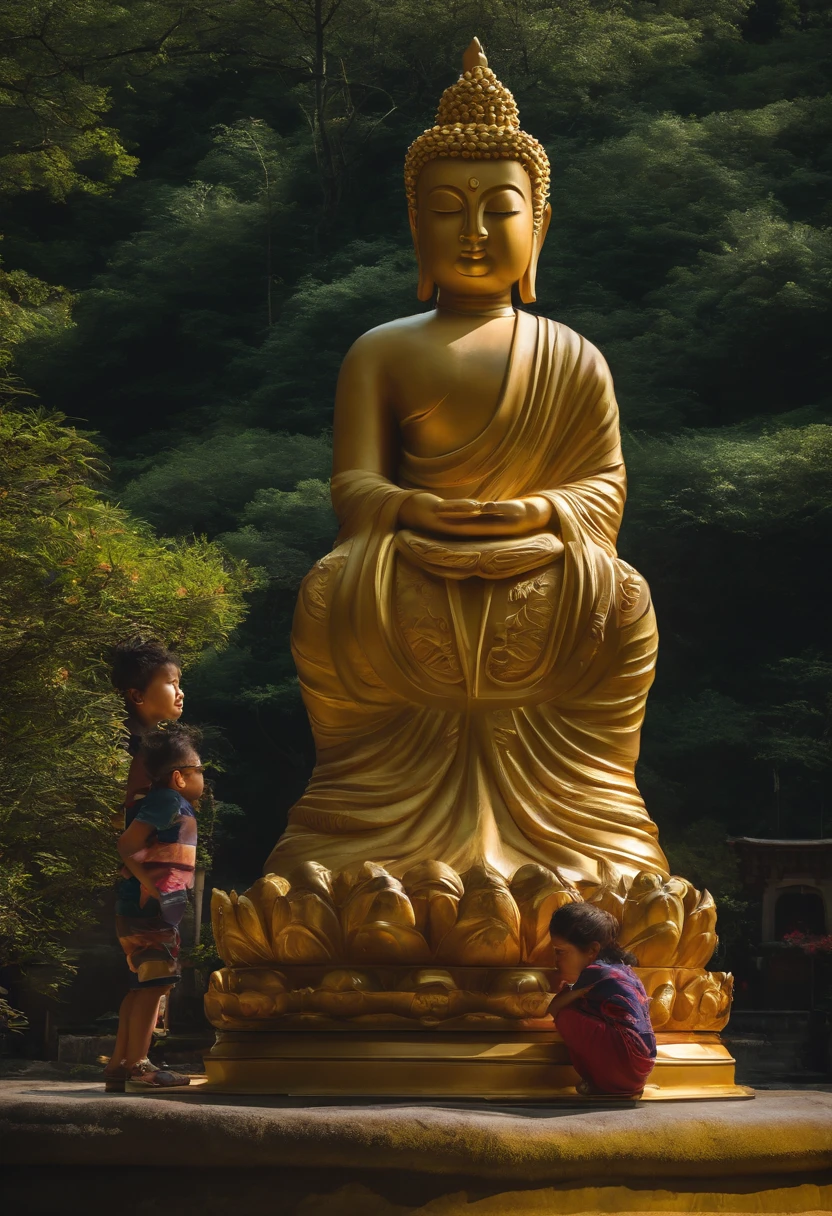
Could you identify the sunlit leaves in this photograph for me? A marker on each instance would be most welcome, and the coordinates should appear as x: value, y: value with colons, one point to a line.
x: 77, y: 575
x: 212, y: 480
x: 740, y: 481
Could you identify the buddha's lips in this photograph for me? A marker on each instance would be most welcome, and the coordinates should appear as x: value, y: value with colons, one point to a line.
x: 474, y: 263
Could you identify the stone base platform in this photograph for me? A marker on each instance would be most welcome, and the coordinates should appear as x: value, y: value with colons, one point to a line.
x: 517, y: 1065
x: 64, y: 1143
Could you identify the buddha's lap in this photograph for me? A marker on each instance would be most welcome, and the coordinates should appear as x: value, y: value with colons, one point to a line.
x: 466, y: 641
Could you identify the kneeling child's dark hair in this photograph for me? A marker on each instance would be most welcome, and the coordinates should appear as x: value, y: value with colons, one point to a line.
x: 582, y: 924
x: 168, y: 748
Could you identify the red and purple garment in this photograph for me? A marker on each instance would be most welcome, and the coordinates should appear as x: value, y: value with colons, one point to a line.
x: 617, y: 997
x: 607, y: 1031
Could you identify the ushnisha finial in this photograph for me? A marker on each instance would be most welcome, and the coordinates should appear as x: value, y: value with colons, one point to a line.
x: 478, y: 119
x: 474, y: 56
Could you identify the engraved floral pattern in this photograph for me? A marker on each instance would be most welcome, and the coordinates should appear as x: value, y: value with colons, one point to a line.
x: 521, y: 640
x: 424, y: 620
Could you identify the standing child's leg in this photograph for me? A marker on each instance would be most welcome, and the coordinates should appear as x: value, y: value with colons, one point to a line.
x: 116, y: 1071
x: 143, y: 1013
x: 120, y: 1048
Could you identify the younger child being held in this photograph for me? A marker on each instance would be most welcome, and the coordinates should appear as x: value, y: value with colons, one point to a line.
x: 158, y: 849
x: 604, y: 1016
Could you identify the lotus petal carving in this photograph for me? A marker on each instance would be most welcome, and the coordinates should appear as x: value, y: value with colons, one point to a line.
x: 365, y: 916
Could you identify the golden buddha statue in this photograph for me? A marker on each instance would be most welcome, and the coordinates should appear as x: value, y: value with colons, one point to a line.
x: 474, y: 657
x: 475, y: 660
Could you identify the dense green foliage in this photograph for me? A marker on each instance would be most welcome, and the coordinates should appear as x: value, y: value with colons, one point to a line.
x: 77, y: 575
x: 259, y: 227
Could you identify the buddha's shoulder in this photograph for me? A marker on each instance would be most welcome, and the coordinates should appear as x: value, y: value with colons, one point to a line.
x: 576, y: 349
x: 408, y: 337
x: 405, y: 335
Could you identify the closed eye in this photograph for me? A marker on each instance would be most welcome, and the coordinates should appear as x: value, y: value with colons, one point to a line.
x: 503, y: 203
x: 445, y: 203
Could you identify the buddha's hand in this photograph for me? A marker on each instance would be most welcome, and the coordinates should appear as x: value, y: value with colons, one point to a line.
x: 514, y: 516
x: 429, y: 513
x: 467, y: 517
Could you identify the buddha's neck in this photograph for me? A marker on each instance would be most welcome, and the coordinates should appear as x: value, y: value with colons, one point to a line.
x: 498, y: 305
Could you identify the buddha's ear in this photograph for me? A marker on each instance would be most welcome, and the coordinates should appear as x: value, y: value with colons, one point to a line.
x: 426, y: 286
x: 527, y: 283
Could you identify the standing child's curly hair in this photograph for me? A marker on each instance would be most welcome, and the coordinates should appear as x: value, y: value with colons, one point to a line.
x: 581, y: 924
x: 168, y: 748
x: 134, y: 663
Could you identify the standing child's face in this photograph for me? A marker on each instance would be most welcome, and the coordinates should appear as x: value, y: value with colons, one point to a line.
x: 161, y: 700
x: 188, y: 780
x: 570, y: 960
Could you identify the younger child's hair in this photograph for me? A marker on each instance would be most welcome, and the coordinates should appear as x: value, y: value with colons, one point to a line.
x: 167, y: 748
x: 133, y: 663
x: 581, y: 924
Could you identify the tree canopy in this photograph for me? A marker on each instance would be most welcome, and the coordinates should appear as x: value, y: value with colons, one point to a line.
x: 77, y: 575
x: 205, y: 208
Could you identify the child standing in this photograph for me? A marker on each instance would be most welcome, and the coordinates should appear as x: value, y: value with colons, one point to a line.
x: 604, y: 1016
x: 158, y: 849
x: 147, y: 675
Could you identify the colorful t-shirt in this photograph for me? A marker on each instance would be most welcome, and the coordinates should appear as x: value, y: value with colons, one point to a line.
x: 170, y: 853
x: 617, y: 997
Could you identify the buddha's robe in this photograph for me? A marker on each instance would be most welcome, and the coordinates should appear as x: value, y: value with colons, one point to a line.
x: 482, y: 700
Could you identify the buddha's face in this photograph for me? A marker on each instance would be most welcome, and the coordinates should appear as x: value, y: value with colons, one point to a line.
x: 474, y: 226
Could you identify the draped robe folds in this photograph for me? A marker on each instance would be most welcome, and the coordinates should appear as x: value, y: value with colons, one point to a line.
x: 480, y: 700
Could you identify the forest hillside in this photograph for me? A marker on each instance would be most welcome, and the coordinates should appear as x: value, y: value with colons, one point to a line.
x: 203, y: 207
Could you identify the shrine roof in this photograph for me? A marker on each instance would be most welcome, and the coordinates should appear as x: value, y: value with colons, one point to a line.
x: 823, y: 842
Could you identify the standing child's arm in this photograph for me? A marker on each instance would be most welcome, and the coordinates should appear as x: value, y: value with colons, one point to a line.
x: 132, y: 841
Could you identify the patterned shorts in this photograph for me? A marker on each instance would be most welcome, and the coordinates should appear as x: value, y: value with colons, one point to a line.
x: 149, y: 936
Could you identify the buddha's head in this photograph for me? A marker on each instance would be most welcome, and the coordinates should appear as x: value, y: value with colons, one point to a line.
x: 477, y: 187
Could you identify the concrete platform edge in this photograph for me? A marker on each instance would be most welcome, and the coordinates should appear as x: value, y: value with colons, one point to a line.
x: 65, y: 1123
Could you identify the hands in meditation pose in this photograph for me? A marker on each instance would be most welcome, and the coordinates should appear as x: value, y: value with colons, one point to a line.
x: 474, y: 657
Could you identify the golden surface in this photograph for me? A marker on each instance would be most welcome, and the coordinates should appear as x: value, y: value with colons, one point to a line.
x: 474, y: 656
x: 365, y: 916
x: 523, y: 1064
x: 364, y: 948
x: 478, y: 120
x: 800, y: 1199
x: 458, y: 998
x: 475, y: 660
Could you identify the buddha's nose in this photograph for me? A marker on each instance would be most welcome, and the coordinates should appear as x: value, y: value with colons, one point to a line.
x: 476, y: 234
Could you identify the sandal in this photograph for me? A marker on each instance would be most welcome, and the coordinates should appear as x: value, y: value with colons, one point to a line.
x: 157, y: 1078
x: 115, y: 1075
x: 142, y: 1067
